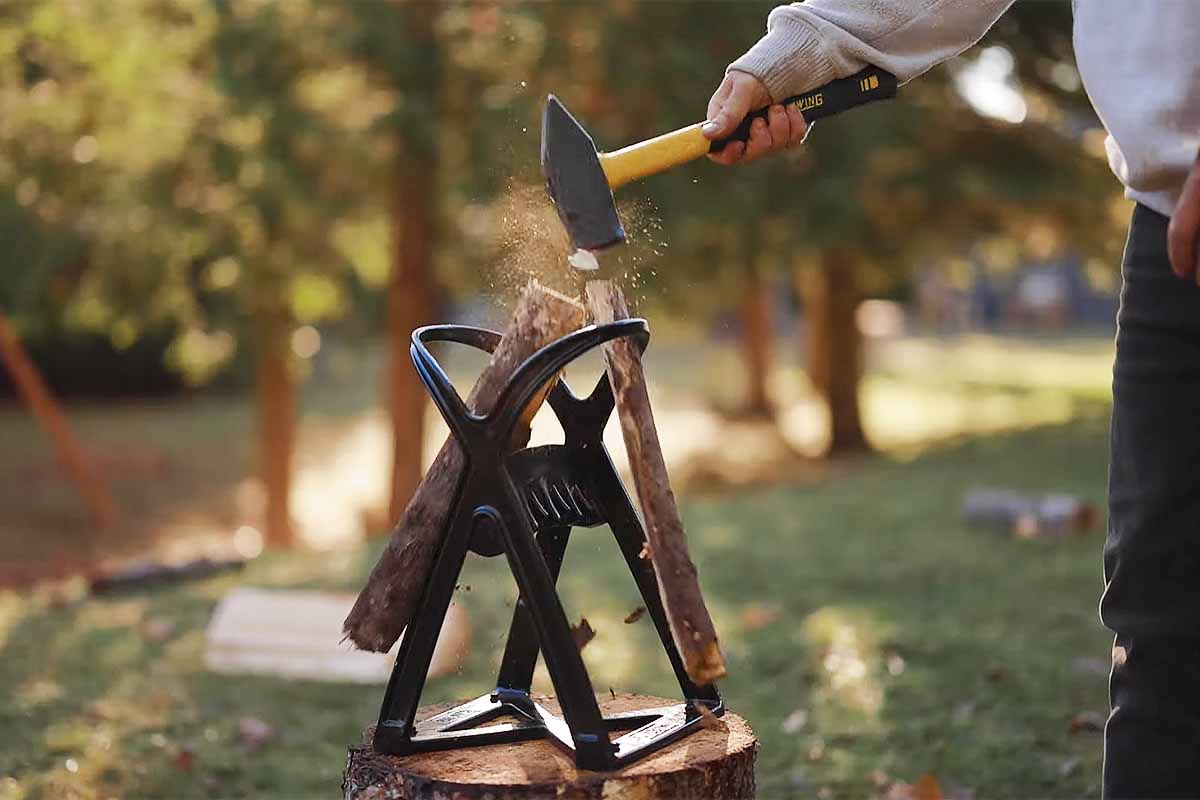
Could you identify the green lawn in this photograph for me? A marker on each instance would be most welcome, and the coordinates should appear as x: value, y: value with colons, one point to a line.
x: 870, y: 637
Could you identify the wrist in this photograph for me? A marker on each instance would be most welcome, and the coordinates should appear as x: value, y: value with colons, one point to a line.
x: 789, y: 60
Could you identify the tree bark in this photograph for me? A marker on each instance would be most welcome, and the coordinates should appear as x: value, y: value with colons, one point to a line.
x: 50, y: 416
x: 393, y: 591
x: 754, y: 312
x: 835, y: 348
x: 716, y: 761
x: 691, y: 626
x: 275, y: 392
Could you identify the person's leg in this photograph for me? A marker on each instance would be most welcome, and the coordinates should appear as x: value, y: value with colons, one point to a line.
x: 1152, y: 555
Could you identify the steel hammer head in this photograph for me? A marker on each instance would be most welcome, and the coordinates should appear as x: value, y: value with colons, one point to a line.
x: 576, y: 181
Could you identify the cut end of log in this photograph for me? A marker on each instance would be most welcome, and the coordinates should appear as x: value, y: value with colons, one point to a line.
x: 714, y: 761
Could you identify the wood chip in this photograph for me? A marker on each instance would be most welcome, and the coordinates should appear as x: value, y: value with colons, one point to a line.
x: 582, y: 633
x: 635, y: 615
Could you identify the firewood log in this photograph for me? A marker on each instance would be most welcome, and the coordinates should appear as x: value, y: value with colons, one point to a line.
x: 390, y: 597
x: 691, y: 626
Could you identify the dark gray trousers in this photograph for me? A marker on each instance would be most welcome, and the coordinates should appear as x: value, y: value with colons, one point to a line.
x: 1152, y: 555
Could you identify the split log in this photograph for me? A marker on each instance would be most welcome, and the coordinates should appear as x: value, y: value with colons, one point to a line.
x: 389, y: 599
x: 713, y: 761
x: 691, y: 626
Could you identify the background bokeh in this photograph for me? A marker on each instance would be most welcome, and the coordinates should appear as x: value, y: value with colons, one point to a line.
x: 222, y: 218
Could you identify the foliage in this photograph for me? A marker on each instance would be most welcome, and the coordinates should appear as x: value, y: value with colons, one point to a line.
x: 190, y: 154
x: 177, y: 164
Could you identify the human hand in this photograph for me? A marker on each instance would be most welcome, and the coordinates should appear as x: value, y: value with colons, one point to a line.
x: 1184, y: 230
x: 738, y: 95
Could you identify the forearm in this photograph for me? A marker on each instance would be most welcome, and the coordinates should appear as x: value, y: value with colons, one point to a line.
x: 811, y: 43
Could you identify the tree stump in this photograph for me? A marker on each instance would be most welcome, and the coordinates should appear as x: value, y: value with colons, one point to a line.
x: 715, y: 761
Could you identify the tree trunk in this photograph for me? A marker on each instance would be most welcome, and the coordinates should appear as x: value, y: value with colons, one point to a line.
x: 835, y: 348
x: 410, y: 294
x: 409, y: 301
x: 276, y: 409
x: 715, y: 760
x: 755, y: 318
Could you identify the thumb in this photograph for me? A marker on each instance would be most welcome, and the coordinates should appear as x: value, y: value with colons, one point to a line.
x: 732, y: 111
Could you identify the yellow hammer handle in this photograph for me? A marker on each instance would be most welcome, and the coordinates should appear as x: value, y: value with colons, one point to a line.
x: 653, y: 155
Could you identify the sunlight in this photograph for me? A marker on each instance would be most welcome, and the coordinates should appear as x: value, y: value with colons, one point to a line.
x: 331, y: 495
x: 849, y: 658
x: 989, y: 86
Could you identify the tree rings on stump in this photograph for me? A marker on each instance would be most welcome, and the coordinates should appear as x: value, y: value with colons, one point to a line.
x: 714, y: 761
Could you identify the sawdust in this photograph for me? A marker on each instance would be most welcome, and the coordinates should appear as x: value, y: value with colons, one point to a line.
x: 533, y: 245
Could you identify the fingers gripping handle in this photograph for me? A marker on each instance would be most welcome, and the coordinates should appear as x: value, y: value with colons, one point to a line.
x: 865, y: 86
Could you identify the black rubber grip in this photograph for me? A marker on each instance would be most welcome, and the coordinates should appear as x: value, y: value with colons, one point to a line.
x: 865, y: 86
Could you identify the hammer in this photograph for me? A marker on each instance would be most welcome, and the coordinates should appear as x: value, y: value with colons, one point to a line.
x: 581, y: 180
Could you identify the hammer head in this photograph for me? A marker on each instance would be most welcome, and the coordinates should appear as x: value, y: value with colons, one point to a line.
x: 576, y: 181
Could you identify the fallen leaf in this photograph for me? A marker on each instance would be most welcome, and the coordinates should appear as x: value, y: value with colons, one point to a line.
x: 795, y: 721
x: 185, y: 759
x: 253, y: 733
x: 926, y: 788
x: 157, y: 629
x: 758, y: 615
x: 635, y: 615
x: 582, y: 633
x: 1087, y: 722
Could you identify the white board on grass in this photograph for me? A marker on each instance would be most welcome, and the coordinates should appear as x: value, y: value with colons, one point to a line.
x: 298, y: 634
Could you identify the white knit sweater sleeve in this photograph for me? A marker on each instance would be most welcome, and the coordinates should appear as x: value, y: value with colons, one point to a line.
x: 811, y: 43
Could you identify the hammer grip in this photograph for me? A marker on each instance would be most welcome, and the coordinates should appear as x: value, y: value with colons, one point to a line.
x: 865, y: 86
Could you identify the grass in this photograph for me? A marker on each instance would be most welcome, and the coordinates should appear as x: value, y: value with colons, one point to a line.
x: 871, y: 638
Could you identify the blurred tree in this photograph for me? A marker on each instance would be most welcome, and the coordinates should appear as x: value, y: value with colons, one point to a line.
x: 452, y: 73
x: 397, y: 45
x: 755, y: 326
x: 194, y: 156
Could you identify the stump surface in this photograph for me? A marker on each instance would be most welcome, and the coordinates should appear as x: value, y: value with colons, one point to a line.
x: 716, y: 761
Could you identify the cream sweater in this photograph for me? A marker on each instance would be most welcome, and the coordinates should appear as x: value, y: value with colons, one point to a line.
x: 1140, y: 64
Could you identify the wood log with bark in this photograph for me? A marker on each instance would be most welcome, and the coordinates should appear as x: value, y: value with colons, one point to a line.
x: 393, y: 590
x: 716, y: 760
x: 678, y: 582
